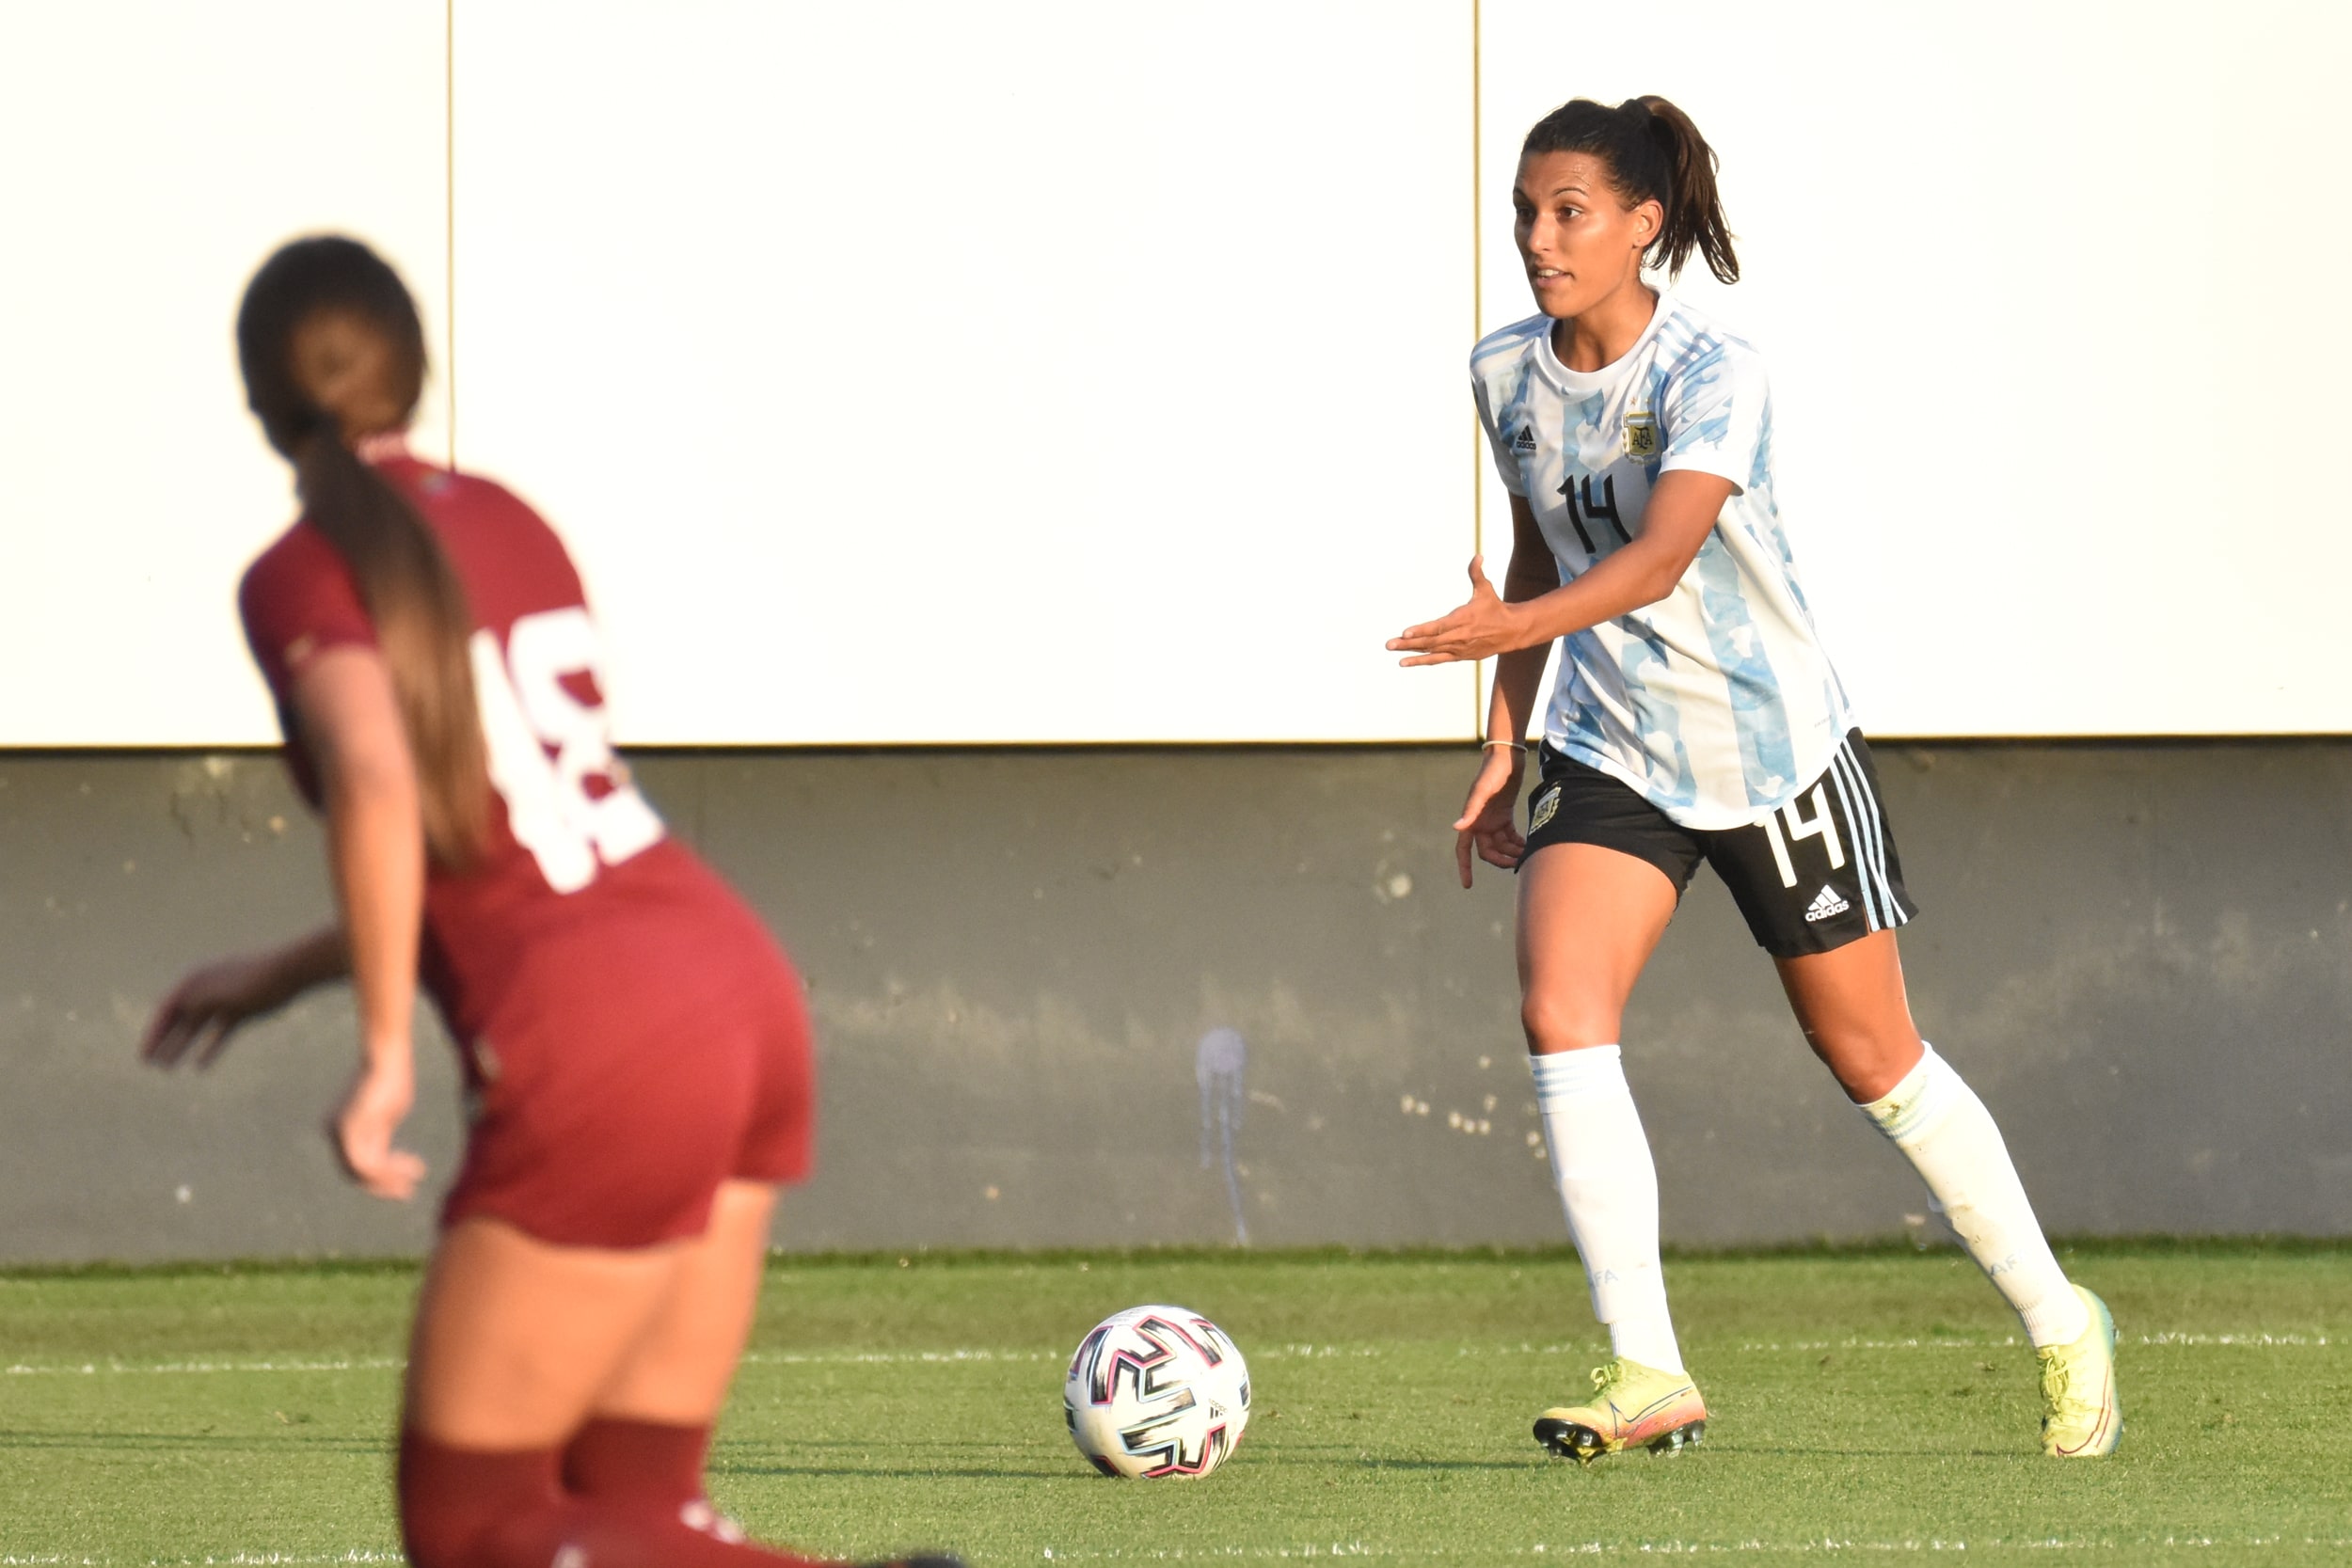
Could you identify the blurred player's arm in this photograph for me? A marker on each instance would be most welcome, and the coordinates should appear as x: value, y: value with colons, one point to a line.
x: 351, y: 726
x: 1681, y: 512
x: 208, y: 1006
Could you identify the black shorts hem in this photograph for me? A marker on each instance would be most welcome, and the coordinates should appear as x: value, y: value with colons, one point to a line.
x: 1577, y: 804
x: 1827, y: 936
x: 1668, y: 866
x: 1808, y: 878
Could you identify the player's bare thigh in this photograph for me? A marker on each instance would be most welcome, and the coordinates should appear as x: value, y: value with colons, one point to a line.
x: 1851, y: 1004
x: 515, y: 1337
x: 678, y: 1370
x: 1589, y: 919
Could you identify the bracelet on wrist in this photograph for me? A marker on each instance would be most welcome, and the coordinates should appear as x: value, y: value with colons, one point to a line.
x: 1519, y: 747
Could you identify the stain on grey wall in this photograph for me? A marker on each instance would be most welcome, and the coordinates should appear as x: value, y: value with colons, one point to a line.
x: 1221, y: 1063
x: 2139, y: 954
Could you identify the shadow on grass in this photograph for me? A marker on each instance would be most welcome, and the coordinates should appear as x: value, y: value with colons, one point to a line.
x: 1760, y: 1451
x: 1534, y: 1463
x: 848, y: 1457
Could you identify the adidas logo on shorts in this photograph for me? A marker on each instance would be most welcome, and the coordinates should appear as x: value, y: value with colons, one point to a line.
x: 1825, y: 904
x: 1525, y: 439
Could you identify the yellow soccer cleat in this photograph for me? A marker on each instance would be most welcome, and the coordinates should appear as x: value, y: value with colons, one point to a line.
x: 1633, y: 1407
x: 2081, y: 1418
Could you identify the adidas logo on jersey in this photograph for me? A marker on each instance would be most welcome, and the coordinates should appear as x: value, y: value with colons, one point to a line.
x: 1825, y: 904
x: 1525, y: 439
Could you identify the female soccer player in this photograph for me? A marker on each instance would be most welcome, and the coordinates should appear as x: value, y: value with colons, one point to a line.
x: 1694, y: 718
x: 635, y: 1044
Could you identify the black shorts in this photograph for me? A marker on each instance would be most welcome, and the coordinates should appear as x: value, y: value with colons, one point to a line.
x: 1813, y: 876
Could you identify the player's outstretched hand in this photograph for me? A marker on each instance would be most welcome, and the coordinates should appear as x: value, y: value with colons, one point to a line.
x: 209, y: 1006
x: 1489, y: 819
x: 1479, y: 628
x: 361, y: 1132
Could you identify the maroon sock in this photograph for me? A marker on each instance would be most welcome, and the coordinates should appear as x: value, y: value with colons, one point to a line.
x: 450, y: 1498
x: 642, y: 1462
x: 464, y: 1508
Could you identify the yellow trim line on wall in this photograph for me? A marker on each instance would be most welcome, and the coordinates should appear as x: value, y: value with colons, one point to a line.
x: 1478, y: 318
x: 449, y: 217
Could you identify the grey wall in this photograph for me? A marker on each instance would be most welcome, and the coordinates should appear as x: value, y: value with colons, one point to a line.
x: 2140, y: 954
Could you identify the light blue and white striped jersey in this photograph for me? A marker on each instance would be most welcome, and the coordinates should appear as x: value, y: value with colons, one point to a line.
x: 1717, y: 703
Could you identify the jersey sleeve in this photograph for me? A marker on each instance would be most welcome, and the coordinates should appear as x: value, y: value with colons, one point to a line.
x: 297, y: 601
x: 1497, y: 442
x: 1713, y: 415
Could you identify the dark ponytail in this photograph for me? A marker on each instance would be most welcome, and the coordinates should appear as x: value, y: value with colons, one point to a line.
x: 412, y: 594
x: 1654, y: 154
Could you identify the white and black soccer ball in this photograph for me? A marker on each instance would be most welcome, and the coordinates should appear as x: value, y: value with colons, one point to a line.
x: 1156, y: 1391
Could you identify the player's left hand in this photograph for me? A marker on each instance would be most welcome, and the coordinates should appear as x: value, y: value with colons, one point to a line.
x: 361, y: 1132
x: 1481, y: 627
x: 207, y: 1006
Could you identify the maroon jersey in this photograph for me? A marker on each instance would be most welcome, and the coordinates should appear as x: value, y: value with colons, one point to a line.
x: 581, y: 904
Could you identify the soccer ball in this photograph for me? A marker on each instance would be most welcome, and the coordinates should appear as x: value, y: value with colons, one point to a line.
x: 1156, y: 1391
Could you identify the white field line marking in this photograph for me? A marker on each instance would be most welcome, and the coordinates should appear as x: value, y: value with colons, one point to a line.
x: 1277, y: 1352
x: 2264, y: 1341
x: 891, y: 1358
x: 1350, y: 1548
x: 233, y: 1560
x: 2165, y: 1338
x: 356, y: 1364
x: 1683, y: 1549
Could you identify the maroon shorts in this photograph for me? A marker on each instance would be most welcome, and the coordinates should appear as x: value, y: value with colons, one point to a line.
x: 614, y: 1103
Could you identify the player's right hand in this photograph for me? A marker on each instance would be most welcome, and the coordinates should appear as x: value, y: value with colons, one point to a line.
x: 1489, y: 819
x: 208, y: 1006
x: 363, y: 1128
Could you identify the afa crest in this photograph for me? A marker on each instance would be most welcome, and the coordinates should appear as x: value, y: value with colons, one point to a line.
x: 1545, y: 804
x: 1640, y: 433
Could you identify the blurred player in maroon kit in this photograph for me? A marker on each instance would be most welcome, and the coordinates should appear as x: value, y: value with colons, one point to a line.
x: 635, y: 1045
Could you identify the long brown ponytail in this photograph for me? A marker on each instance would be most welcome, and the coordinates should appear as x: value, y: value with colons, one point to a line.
x: 412, y: 594
x: 1654, y: 154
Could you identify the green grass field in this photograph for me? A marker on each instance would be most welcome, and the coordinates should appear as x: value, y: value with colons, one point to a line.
x: 1873, y: 1404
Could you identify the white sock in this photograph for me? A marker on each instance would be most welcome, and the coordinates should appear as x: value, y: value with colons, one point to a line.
x: 1608, y: 1186
x: 1947, y: 1135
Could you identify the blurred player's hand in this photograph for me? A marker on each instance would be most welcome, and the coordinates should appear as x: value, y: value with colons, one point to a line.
x: 361, y: 1132
x: 1481, y: 627
x: 209, y: 1006
x: 1489, y: 819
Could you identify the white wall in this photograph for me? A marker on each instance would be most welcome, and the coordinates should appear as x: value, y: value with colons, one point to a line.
x: 1052, y: 370
x: 935, y: 371
x: 155, y: 152
x: 2054, y: 299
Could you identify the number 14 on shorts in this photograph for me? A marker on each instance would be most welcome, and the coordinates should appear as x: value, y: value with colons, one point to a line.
x: 1818, y: 824
x: 551, y: 750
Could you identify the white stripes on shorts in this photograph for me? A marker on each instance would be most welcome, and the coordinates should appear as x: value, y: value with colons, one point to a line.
x: 1858, y: 804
